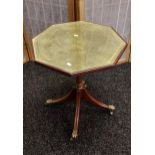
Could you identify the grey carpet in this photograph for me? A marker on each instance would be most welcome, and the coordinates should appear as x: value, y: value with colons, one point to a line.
x: 47, y: 130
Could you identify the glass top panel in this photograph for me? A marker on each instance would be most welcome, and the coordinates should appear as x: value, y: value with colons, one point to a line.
x: 77, y: 46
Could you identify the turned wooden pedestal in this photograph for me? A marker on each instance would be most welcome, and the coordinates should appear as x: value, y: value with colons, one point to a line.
x: 80, y: 92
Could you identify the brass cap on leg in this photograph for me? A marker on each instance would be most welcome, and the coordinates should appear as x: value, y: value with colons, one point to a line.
x: 49, y: 101
x: 111, y: 107
x: 74, y: 135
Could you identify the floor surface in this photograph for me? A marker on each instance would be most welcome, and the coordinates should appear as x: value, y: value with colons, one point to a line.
x: 47, y: 129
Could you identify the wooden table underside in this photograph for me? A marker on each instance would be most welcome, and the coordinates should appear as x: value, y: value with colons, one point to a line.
x: 80, y: 92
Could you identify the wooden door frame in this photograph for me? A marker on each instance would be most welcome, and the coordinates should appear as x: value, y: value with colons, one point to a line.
x: 71, y: 10
x: 80, y: 10
x: 127, y: 52
x: 28, y: 44
x: 76, y: 10
x: 26, y: 55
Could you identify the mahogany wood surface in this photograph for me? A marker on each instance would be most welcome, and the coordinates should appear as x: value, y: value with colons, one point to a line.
x: 79, y: 92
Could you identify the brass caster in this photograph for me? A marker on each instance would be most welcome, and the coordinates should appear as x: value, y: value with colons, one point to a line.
x: 49, y: 101
x: 111, y: 108
x: 74, y: 135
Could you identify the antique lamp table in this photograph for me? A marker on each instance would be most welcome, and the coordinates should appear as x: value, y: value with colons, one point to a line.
x: 75, y: 49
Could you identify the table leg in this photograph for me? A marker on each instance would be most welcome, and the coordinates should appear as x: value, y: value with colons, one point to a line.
x: 94, y: 101
x: 77, y: 113
x: 80, y: 91
x: 62, y: 99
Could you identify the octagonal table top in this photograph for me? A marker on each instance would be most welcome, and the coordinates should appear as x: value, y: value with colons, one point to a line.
x: 78, y: 47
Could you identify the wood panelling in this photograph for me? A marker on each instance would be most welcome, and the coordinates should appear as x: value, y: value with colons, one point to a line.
x: 71, y: 10
x: 27, y: 43
x: 80, y: 13
x: 127, y: 53
x: 25, y: 53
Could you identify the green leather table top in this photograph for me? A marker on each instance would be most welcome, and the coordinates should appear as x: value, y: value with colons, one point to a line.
x: 77, y: 47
